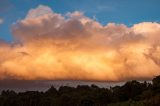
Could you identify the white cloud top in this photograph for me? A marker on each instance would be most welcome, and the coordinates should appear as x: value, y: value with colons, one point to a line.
x: 1, y: 20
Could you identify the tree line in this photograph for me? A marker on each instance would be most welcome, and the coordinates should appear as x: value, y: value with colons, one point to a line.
x: 132, y: 93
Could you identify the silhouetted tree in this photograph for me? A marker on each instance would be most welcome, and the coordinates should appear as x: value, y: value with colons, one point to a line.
x: 156, y: 84
x: 132, y: 93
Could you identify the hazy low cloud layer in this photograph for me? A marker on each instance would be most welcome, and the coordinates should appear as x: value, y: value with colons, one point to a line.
x: 43, y: 85
x: 48, y: 45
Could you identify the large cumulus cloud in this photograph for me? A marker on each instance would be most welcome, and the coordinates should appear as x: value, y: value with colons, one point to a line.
x: 48, y: 45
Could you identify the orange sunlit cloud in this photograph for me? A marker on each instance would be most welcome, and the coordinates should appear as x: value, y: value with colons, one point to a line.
x: 53, y: 46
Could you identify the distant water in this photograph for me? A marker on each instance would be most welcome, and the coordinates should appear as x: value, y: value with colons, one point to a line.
x: 20, y: 85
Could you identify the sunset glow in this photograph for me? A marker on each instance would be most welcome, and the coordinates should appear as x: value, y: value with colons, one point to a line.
x: 72, y: 46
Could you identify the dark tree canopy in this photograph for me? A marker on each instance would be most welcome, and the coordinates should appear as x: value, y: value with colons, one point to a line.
x: 132, y: 93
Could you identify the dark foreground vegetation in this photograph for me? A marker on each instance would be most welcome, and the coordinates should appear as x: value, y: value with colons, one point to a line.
x: 132, y: 93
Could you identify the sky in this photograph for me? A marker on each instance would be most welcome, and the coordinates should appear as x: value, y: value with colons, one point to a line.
x: 90, y: 40
x: 127, y: 12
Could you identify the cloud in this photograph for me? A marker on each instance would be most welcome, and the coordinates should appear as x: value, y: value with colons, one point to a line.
x: 24, y: 85
x: 53, y: 46
x: 1, y: 20
x: 39, y: 11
